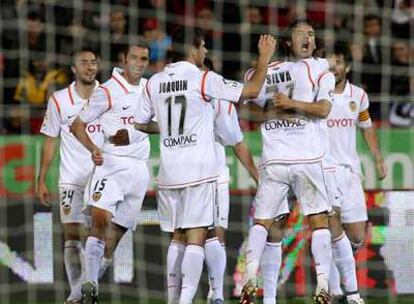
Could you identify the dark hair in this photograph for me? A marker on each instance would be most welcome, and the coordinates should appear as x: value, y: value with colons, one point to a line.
x: 84, y: 49
x: 182, y: 37
x: 369, y: 17
x: 208, y: 63
x: 298, y: 21
x: 138, y: 41
x: 284, y: 49
x: 341, y: 48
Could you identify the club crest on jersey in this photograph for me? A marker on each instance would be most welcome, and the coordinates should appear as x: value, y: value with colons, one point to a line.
x: 353, y: 106
x: 67, y: 209
x: 96, y: 196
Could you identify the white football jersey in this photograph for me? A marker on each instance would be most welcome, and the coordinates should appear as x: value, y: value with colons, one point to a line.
x: 349, y: 109
x: 114, y: 103
x: 299, y: 139
x: 75, y: 160
x: 227, y: 133
x: 179, y: 97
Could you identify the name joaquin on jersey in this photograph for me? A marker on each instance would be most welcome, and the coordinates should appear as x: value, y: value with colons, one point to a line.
x: 181, y: 141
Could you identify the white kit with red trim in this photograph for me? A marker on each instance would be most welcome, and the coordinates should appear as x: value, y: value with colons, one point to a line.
x: 114, y: 103
x: 227, y: 132
x: 349, y: 110
x: 179, y: 97
x: 75, y: 160
x: 298, y: 139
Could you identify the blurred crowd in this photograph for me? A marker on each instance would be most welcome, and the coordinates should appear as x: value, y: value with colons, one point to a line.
x: 37, y: 38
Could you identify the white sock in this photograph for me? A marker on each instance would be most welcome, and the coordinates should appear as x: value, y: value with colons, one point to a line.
x: 74, y: 260
x: 270, y: 265
x: 345, y: 261
x: 255, y: 247
x: 105, y: 263
x: 216, y: 266
x: 191, y: 268
x: 94, y: 251
x: 335, y: 281
x: 322, y: 252
x: 174, y: 259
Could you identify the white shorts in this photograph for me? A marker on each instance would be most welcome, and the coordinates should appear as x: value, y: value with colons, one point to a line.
x: 305, y: 180
x: 119, y: 186
x: 223, y: 203
x: 351, y: 196
x: 71, y: 204
x: 334, y: 193
x: 188, y: 207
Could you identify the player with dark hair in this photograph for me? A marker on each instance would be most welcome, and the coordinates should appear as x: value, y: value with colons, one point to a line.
x: 293, y: 102
x: 343, y: 172
x: 180, y: 98
x: 75, y: 164
x: 120, y: 178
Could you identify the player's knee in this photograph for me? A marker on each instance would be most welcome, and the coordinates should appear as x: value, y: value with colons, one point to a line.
x: 277, y: 230
x: 318, y: 221
x: 356, y: 243
x: 266, y: 223
x: 211, y: 233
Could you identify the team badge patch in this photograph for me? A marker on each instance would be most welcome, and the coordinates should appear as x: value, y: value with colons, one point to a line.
x: 67, y: 210
x: 353, y: 106
x: 96, y: 196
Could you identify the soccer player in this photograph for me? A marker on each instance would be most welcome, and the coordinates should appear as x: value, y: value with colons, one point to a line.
x: 121, y: 177
x: 349, y: 110
x: 179, y: 97
x: 298, y: 96
x: 75, y: 163
x: 227, y: 133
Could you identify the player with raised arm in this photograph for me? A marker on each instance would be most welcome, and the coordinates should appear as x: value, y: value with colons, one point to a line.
x: 342, y: 167
x: 121, y: 177
x: 296, y: 97
x: 75, y: 164
x: 179, y: 97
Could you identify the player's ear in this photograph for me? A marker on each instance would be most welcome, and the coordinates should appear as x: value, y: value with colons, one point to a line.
x: 348, y: 68
x: 72, y: 68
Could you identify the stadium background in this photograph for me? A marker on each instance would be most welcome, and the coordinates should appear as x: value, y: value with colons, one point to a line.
x: 37, y: 38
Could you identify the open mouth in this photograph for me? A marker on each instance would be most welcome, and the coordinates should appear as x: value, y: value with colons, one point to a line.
x: 305, y: 46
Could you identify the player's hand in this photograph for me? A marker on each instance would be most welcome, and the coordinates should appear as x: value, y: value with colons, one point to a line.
x: 97, y: 157
x: 282, y: 102
x: 121, y: 138
x: 266, y: 46
x: 382, y: 169
x: 43, y: 193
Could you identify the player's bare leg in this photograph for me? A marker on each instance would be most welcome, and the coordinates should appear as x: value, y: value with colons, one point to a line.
x: 216, y: 260
x: 356, y: 233
x: 192, y: 263
x: 73, y: 256
x: 272, y: 259
x: 322, y: 254
x: 255, y: 246
x: 343, y: 256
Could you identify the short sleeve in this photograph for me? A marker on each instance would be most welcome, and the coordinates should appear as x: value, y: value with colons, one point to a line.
x: 145, y: 110
x: 215, y: 86
x: 264, y: 95
x: 326, y: 86
x: 100, y: 102
x: 364, y: 119
x: 226, y: 124
x: 52, y: 121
